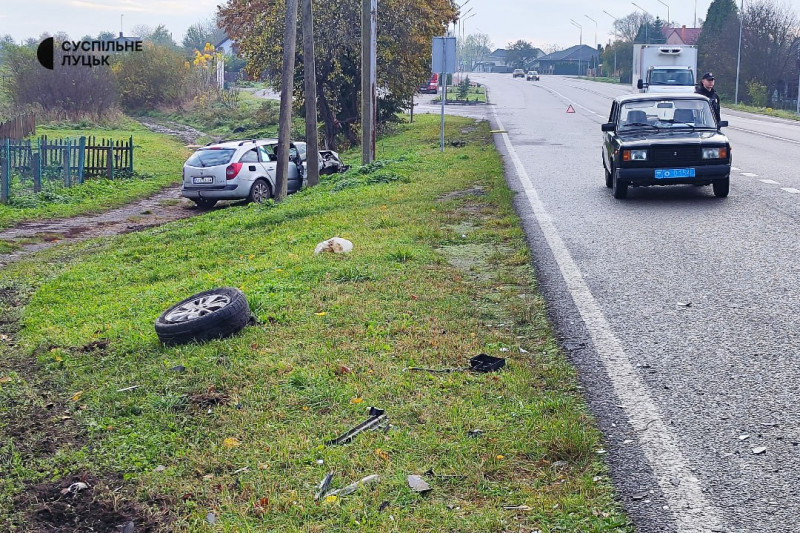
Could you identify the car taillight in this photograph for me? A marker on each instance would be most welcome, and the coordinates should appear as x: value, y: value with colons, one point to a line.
x: 232, y: 171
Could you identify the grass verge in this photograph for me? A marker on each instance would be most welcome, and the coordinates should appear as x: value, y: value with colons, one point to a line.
x: 230, y: 435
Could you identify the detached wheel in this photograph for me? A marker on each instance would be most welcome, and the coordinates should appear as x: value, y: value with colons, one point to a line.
x: 205, y: 203
x: 722, y: 187
x: 619, y: 187
x: 260, y: 192
x: 207, y: 315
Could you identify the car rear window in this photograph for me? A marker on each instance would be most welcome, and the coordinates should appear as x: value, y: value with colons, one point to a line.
x: 210, y: 157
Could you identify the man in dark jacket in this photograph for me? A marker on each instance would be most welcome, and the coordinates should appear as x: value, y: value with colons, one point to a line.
x: 706, y: 88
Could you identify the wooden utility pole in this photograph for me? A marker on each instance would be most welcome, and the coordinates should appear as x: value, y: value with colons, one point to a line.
x: 287, y: 82
x: 310, y: 89
x: 369, y: 38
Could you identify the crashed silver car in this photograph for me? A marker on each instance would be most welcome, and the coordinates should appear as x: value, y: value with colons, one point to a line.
x: 329, y: 161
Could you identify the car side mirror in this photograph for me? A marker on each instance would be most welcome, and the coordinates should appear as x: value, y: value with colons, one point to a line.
x: 722, y: 124
x: 640, y: 84
x: 608, y: 126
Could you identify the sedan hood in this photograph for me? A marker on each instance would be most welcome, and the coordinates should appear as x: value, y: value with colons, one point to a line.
x: 683, y: 136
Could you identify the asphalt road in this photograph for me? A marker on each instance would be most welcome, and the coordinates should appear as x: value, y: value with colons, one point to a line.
x: 680, y: 310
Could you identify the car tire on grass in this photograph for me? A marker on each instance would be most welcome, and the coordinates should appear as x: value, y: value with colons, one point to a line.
x: 260, y: 192
x: 722, y: 187
x: 619, y: 187
x: 207, y: 315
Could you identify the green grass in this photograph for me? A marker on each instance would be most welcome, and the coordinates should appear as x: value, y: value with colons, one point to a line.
x: 474, y: 94
x: 158, y: 161
x: 252, y: 116
x: 781, y: 113
x: 439, y: 273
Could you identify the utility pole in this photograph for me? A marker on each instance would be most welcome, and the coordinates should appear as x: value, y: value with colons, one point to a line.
x: 285, y: 120
x: 310, y: 90
x: 369, y: 38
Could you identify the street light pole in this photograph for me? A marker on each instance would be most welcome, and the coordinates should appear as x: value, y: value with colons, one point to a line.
x: 646, y: 22
x: 595, y: 34
x: 615, y: 36
x: 581, y: 43
x: 739, y: 54
x: 663, y: 4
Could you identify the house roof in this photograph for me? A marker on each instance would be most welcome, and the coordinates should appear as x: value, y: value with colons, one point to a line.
x: 500, y: 53
x: 684, y: 34
x: 579, y: 52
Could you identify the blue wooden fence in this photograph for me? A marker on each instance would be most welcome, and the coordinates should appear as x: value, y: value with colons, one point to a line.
x: 69, y: 161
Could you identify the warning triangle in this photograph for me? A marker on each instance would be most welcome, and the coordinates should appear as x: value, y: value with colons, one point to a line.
x: 570, y: 109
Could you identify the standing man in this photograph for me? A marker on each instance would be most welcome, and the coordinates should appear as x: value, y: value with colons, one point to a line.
x: 706, y: 88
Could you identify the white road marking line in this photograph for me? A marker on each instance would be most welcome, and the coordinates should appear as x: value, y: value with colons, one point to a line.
x: 570, y: 102
x: 768, y: 136
x: 749, y: 174
x: 736, y: 169
x: 769, y: 182
x: 687, y: 503
x: 791, y: 190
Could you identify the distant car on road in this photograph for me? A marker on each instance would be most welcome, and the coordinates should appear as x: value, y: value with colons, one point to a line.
x: 518, y: 73
x: 238, y: 170
x: 665, y: 139
x: 532, y: 75
x: 432, y: 86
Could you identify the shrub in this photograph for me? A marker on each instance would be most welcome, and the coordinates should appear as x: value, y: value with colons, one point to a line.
x: 156, y: 76
x: 70, y: 92
x: 757, y: 92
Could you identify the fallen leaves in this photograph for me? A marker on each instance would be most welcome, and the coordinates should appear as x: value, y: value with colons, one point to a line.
x: 231, y: 442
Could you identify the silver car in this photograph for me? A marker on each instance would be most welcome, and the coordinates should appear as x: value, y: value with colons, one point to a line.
x: 238, y: 170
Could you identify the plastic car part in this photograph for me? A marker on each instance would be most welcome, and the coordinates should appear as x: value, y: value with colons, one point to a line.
x: 207, y: 315
x: 486, y: 363
x: 377, y: 418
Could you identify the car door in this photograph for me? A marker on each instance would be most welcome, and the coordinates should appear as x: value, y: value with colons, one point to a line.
x: 608, y: 136
x: 251, y: 167
x: 295, y: 180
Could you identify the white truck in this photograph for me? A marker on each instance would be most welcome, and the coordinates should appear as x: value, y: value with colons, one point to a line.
x: 664, y: 68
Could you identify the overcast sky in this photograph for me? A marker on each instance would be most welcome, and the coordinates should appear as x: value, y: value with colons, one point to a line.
x: 540, y: 22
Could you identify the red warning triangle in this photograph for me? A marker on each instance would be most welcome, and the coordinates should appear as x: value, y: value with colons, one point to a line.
x: 570, y: 109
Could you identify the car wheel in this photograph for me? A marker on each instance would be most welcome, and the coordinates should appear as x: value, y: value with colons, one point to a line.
x: 205, y: 203
x: 260, y: 192
x: 204, y: 316
x: 619, y: 187
x: 722, y: 187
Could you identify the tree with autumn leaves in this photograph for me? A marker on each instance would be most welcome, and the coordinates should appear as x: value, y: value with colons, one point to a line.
x: 405, y: 32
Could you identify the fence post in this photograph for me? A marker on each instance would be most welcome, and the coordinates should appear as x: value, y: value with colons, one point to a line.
x: 5, y: 171
x: 130, y: 155
x: 66, y: 161
x: 36, y: 163
x: 110, y: 160
x: 81, y: 157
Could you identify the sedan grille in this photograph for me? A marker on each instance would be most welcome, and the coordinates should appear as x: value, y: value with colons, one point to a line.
x: 672, y: 155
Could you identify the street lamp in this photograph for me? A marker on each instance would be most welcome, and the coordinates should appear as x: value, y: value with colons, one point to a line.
x: 647, y: 21
x: 739, y: 54
x: 595, y: 33
x: 615, y: 36
x: 581, y: 43
x: 663, y: 4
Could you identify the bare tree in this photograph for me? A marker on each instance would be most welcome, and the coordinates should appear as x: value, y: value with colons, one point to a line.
x: 627, y: 27
x: 769, y: 32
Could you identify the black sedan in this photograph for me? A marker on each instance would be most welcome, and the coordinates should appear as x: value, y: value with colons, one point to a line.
x: 666, y: 139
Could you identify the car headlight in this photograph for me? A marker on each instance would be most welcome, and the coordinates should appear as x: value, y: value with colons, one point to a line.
x: 634, y: 155
x: 715, y: 153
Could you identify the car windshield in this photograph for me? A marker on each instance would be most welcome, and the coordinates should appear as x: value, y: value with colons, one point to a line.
x: 210, y: 157
x: 665, y: 114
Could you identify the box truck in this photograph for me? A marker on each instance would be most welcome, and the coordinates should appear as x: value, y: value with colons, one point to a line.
x: 664, y: 68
